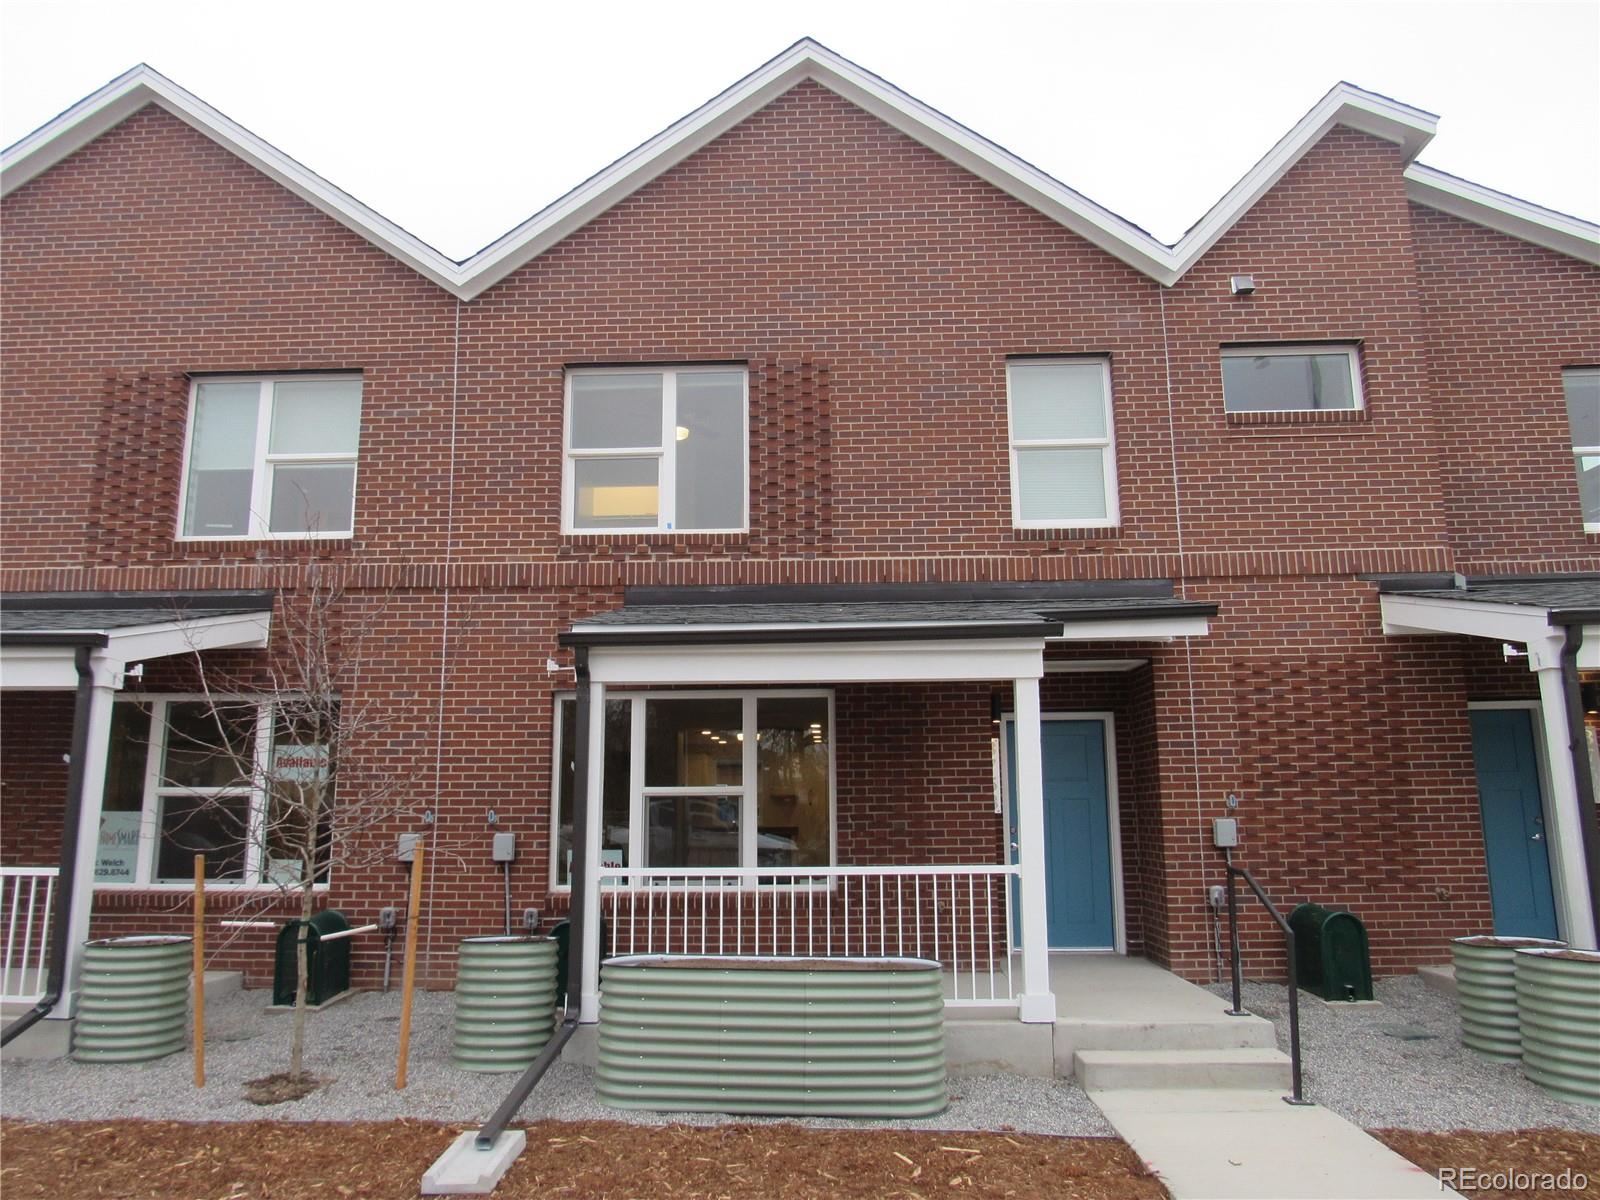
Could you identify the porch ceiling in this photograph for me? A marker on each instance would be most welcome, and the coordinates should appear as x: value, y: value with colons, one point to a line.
x: 41, y: 632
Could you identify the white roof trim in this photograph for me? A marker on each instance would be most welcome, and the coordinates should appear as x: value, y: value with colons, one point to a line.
x: 1408, y: 127
x: 1473, y: 202
x: 25, y: 665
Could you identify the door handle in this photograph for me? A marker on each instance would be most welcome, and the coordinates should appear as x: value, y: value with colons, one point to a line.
x: 1015, y: 848
x: 1537, y: 837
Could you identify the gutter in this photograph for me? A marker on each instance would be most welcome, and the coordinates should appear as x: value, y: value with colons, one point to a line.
x: 55, y: 981
x: 1571, y: 686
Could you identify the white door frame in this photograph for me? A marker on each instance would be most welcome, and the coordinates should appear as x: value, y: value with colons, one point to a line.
x: 1552, y: 848
x: 1113, y: 822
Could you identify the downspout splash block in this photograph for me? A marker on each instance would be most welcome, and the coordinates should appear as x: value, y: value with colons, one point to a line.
x: 464, y: 1170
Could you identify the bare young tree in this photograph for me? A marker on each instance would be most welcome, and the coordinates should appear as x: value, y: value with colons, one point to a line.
x: 324, y: 787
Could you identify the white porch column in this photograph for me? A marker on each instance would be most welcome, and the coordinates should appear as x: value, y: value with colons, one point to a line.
x: 589, y: 1005
x: 106, y: 677
x: 1562, y: 828
x: 1036, y: 1004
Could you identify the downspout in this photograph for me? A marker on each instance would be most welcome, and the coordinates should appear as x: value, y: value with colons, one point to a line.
x: 577, y: 878
x: 55, y: 984
x: 1582, y: 776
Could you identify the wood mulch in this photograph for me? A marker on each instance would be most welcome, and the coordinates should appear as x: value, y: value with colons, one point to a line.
x: 1530, y: 1151
x: 585, y: 1160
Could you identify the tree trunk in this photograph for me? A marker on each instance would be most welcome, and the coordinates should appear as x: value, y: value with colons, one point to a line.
x: 297, y: 1037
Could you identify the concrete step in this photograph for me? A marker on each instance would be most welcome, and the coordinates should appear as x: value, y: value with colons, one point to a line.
x: 1221, y: 1033
x: 1240, y: 1067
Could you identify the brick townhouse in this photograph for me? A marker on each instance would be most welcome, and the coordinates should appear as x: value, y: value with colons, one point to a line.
x: 917, y: 536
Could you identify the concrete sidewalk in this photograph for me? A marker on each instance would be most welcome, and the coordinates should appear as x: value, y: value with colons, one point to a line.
x: 1247, y: 1144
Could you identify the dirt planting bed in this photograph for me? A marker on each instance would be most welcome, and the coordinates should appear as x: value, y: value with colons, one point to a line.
x: 586, y: 1160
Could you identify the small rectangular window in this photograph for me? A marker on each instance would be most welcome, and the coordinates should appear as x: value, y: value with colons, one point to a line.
x: 657, y: 449
x: 1291, y: 379
x: 1582, y: 388
x: 1063, y: 452
x: 272, y: 458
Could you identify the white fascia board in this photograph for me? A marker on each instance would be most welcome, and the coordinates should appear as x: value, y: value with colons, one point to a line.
x: 238, y: 631
x: 822, y: 663
x: 38, y: 668
x: 1133, y: 629
x: 1516, y: 218
x: 133, y: 90
x: 1409, y: 128
x: 1431, y: 616
x: 791, y: 627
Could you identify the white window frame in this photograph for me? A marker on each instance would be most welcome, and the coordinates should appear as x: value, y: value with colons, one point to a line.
x: 748, y: 790
x: 1579, y: 452
x: 262, y: 468
x: 1107, y: 446
x: 156, y: 792
x: 665, y: 454
x: 1350, y: 350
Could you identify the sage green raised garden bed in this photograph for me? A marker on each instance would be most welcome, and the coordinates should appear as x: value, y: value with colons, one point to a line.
x: 774, y: 1036
x: 133, y: 1002
x: 1486, y: 992
x: 505, y: 1002
x: 1558, y: 1005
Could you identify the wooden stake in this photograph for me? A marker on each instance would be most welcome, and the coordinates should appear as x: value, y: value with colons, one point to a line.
x: 410, y: 979
x: 200, y: 970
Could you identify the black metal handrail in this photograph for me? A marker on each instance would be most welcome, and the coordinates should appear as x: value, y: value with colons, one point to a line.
x: 1238, y: 1009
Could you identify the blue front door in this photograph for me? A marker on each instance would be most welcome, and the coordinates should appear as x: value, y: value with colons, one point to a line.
x: 1077, y: 833
x: 1513, y: 822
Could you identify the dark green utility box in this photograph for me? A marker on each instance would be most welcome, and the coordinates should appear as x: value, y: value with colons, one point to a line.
x: 1331, y: 954
x: 327, y: 965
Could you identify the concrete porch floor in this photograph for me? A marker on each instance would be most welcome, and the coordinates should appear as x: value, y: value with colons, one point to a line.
x: 1113, y: 1005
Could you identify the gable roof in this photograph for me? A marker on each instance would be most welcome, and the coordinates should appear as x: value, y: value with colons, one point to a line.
x: 1409, y: 128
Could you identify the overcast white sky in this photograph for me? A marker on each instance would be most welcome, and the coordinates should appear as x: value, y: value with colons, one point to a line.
x: 458, y: 119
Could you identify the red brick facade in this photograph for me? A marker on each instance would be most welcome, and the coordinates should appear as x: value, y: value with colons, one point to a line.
x: 875, y: 290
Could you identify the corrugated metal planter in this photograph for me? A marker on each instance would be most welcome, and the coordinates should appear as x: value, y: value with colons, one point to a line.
x: 839, y: 1037
x: 1486, y: 992
x: 134, y: 999
x: 1558, y: 1002
x: 505, y: 1002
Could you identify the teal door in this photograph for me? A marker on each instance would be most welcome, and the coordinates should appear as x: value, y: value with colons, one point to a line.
x: 1513, y: 822
x: 1077, y: 833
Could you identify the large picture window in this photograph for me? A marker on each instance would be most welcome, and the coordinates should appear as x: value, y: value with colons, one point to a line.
x: 706, y: 779
x: 657, y: 449
x: 271, y: 458
x: 187, y: 776
x: 1063, y: 449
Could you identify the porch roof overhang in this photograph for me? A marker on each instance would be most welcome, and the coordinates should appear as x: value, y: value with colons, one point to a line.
x: 41, y: 632
x: 864, y: 640
x: 1531, y: 612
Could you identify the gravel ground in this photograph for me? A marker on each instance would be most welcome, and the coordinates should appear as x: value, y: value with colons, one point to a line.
x: 354, y: 1044
x: 1401, y: 1064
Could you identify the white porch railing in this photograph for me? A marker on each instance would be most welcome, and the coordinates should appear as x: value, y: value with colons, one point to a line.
x: 26, y: 901
x: 957, y: 915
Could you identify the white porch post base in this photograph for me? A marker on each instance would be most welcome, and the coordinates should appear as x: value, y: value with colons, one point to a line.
x: 1036, y: 1004
x: 1563, y: 831
x: 101, y: 695
x: 589, y: 997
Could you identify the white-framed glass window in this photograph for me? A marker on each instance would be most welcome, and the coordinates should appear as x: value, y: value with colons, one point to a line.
x: 1306, y: 378
x: 656, y: 449
x: 705, y: 779
x: 188, y: 775
x: 1063, y: 445
x: 271, y: 457
x: 1582, y: 388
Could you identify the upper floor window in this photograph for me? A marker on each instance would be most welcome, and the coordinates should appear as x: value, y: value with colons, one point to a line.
x: 1317, y: 378
x: 1582, y: 386
x: 271, y: 458
x: 1063, y: 451
x: 657, y: 449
